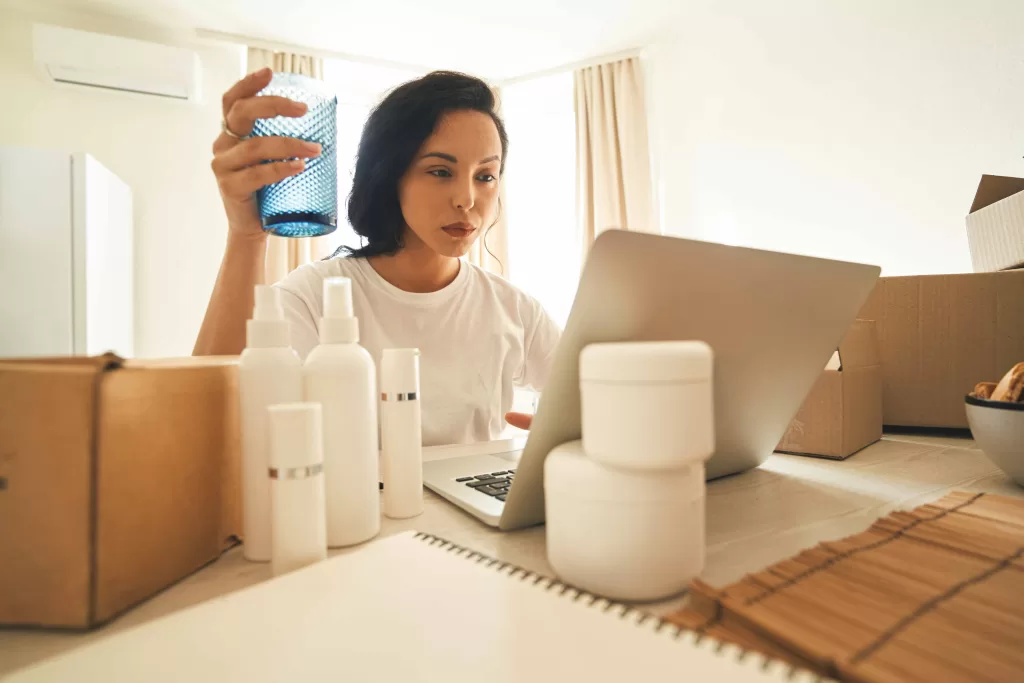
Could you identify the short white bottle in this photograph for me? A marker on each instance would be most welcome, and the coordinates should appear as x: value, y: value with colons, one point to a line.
x: 297, y: 523
x: 269, y: 372
x: 340, y: 375
x: 401, y: 433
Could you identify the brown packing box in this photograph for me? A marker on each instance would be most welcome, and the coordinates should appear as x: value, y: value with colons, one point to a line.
x: 843, y: 412
x: 939, y: 335
x: 117, y: 478
x: 995, y: 225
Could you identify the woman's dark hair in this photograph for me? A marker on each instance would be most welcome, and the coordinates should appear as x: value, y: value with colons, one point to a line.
x: 394, y: 132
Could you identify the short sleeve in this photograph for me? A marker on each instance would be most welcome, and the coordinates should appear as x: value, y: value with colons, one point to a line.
x: 540, y: 349
x: 301, y: 300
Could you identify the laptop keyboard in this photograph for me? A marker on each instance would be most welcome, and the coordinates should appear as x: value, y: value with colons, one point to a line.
x: 494, y: 484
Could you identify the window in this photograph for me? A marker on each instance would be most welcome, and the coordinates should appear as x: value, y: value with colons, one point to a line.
x: 540, y: 188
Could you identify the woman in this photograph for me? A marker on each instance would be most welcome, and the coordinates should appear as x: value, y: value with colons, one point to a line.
x: 425, y: 189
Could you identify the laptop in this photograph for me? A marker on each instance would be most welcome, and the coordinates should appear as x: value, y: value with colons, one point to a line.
x: 772, y: 319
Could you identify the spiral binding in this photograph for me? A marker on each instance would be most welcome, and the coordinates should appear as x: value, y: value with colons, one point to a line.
x: 653, y: 623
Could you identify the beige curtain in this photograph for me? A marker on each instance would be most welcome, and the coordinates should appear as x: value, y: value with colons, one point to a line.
x: 285, y: 254
x: 613, y: 176
x: 495, y: 240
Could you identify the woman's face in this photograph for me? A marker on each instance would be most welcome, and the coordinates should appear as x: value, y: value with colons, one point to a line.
x: 449, y: 193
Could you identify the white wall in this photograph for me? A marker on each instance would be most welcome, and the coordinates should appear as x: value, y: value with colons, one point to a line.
x: 854, y: 129
x: 161, y: 149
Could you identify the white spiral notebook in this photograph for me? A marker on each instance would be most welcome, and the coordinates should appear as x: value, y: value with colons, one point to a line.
x: 409, y: 608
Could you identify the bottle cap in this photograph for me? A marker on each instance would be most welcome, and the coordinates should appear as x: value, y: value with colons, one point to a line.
x: 400, y: 372
x: 296, y: 437
x: 338, y: 297
x: 338, y: 324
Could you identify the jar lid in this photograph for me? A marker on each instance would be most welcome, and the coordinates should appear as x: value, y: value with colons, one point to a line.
x: 662, y: 361
x: 569, y: 471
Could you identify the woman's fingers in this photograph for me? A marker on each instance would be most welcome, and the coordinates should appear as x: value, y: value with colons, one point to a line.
x: 520, y: 420
x: 243, y: 113
x: 257, y: 150
x: 241, y: 184
x: 247, y: 87
x: 241, y: 107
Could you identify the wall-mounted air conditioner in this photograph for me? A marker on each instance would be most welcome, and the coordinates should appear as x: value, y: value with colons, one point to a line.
x: 94, y: 60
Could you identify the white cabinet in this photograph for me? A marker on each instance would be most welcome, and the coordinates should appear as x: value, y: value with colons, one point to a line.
x: 66, y: 256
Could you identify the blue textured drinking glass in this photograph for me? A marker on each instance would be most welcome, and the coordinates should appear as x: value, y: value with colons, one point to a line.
x: 304, y: 205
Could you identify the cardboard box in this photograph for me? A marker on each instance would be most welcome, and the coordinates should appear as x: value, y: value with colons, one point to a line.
x: 995, y: 225
x: 938, y: 336
x: 843, y: 412
x: 116, y: 479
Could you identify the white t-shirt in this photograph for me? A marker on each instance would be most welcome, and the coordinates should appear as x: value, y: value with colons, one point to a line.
x: 479, y: 338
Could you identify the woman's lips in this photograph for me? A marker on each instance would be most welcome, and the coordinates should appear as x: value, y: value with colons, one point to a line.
x: 459, y: 229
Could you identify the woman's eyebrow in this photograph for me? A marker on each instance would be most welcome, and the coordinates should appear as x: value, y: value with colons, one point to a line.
x: 441, y: 155
x: 452, y: 159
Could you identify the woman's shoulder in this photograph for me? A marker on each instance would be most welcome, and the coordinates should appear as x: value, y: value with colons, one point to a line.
x: 307, y: 280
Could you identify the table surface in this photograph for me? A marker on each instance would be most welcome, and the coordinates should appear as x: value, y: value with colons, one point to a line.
x: 753, y: 519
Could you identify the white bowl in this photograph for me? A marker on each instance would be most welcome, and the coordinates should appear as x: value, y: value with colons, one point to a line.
x: 998, y: 427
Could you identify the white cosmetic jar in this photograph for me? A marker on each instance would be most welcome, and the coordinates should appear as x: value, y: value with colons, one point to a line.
x: 647, y: 405
x: 621, y: 534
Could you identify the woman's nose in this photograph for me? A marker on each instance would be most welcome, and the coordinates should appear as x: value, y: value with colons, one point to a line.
x: 463, y: 197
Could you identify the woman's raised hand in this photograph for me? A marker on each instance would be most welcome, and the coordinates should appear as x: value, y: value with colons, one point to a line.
x: 243, y: 165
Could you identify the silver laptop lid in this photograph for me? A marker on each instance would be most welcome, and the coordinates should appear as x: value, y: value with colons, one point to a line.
x: 772, y: 319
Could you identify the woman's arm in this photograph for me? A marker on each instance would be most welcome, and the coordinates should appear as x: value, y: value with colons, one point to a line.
x: 223, y: 330
x: 540, y: 353
x: 243, y: 165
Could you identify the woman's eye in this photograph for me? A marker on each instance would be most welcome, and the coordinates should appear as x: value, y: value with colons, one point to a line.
x: 440, y: 173
x: 486, y: 178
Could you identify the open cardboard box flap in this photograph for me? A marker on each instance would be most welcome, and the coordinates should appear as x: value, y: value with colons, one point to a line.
x: 843, y: 412
x: 859, y: 348
x: 111, y: 361
x: 995, y: 188
x: 995, y: 224
x: 121, y: 477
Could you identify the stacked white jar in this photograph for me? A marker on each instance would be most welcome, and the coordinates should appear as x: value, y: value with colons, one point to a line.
x: 625, y: 507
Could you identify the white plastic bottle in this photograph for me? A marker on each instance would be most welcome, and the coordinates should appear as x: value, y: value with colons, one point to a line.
x: 401, y: 433
x: 269, y: 372
x: 340, y: 375
x: 297, y: 526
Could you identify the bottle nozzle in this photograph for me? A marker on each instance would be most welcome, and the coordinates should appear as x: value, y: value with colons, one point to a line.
x: 339, y: 324
x: 268, y: 304
x: 268, y: 327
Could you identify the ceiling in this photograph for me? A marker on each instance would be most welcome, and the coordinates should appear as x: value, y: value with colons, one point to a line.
x: 494, y: 39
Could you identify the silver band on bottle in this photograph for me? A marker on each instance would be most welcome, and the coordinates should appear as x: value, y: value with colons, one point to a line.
x: 411, y: 396
x: 296, y: 472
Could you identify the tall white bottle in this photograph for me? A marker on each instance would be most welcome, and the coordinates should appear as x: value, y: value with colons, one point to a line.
x: 269, y: 373
x: 340, y: 375
x: 296, y: 478
x: 401, y: 433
